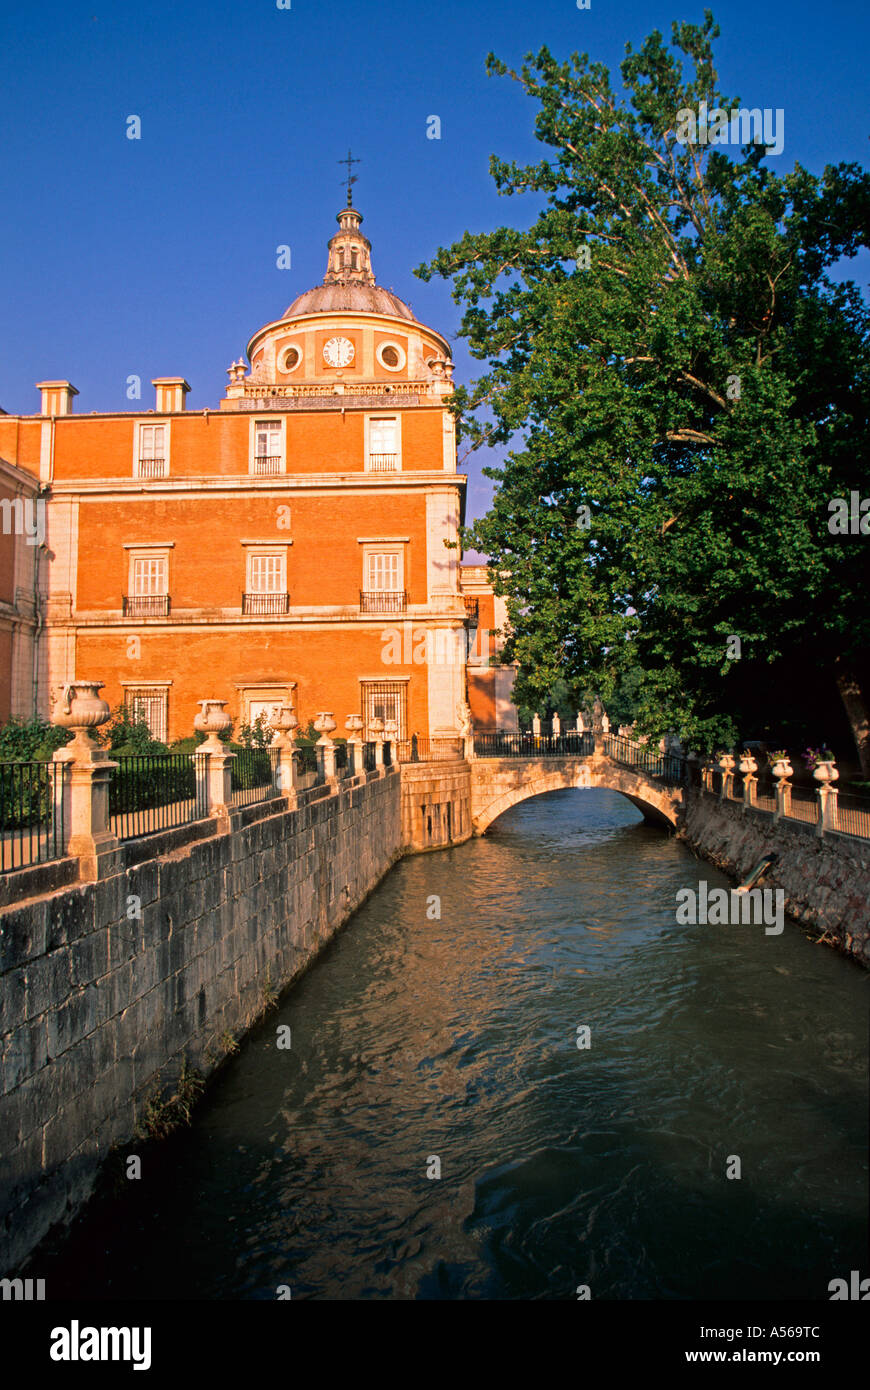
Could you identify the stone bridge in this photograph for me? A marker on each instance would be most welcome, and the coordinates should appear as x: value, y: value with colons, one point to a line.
x: 504, y: 772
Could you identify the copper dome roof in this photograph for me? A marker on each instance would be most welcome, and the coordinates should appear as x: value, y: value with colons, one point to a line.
x: 356, y: 298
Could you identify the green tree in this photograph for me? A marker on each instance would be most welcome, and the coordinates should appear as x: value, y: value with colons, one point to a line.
x: 684, y: 391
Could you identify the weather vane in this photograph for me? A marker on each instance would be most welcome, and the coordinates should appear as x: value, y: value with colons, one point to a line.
x: 351, y: 178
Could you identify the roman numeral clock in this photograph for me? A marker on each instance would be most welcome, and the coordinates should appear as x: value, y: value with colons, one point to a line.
x: 338, y: 352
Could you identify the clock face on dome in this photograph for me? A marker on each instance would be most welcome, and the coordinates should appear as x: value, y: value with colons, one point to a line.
x: 338, y: 352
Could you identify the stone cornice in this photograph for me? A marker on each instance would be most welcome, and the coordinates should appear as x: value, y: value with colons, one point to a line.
x: 246, y: 482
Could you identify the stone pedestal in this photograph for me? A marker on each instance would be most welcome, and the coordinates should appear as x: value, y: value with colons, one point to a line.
x: 354, y: 725
x: 217, y: 766
x: 827, y: 809
x: 726, y: 764
x: 87, y: 835
x: 82, y: 785
x: 826, y: 773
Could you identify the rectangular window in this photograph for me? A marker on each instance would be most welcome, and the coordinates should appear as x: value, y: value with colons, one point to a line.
x: 150, y: 705
x: 149, y: 576
x: 383, y: 571
x: 383, y: 444
x: 268, y: 447
x: 267, y: 574
x: 152, y: 451
x: 387, y: 700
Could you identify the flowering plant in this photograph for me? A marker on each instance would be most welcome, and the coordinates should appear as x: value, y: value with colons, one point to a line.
x: 814, y: 756
x: 780, y: 755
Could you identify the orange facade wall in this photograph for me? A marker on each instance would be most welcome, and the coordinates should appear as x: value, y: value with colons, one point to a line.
x: 481, y: 699
x: 207, y: 562
x: 219, y: 443
x: 7, y: 550
x: 326, y: 664
x: 20, y: 442
x: 5, y: 674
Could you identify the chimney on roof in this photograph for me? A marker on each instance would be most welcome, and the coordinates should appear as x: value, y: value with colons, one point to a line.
x: 56, y: 397
x: 171, y: 394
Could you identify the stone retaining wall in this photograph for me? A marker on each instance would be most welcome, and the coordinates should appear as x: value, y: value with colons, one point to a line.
x: 436, y: 804
x: 107, y: 987
x: 826, y: 879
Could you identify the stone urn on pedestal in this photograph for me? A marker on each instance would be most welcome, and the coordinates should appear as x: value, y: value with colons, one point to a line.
x: 782, y: 770
x: 325, y: 748
x: 215, y: 762
x: 282, y: 741
x: 80, y: 708
x: 726, y: 764
x: 391, y: 735
x: 283, y: 726
x: 826, y: 773
x: 81, y: 788
x: 212, y: 720
x: 354, y: 724
x: 748, y: 766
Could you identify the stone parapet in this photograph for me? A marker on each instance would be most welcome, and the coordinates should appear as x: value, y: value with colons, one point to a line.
x: 107, y: 987
x: 826, y: 879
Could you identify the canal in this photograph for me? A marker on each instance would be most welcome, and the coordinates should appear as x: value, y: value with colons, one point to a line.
x: 420, y: 1041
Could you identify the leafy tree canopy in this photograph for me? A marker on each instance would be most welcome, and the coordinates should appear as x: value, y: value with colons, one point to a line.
x: 679, y: 414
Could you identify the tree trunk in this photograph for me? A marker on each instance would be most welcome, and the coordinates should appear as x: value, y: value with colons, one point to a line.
x: 856, y: 710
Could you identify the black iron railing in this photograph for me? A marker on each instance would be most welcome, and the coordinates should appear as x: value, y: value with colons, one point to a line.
x: 252, y: 775
x: 528, y: 745
x: 669, y: 768
x: 152, y: 468
x: 428, y: 750
x: 146, y: 605
x: 33, y: 798
x: 852, y: 815
x: 383, y: 601
x: 388, y: 752
x: 150, y: 793
x: 472, y: 609
x: 341, y: 757
x: 369, y: 763
x: 307, y: 760
x: 265, y: 604
x: 268, y: 463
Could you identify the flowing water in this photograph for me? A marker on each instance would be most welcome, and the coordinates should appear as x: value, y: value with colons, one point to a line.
x: 417, y: 1038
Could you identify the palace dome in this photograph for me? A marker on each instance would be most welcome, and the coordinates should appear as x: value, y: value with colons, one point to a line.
x: 346, y: 296
x: 349, y: 284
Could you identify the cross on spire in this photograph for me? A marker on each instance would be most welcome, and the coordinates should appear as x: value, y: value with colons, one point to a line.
x: 351, y: 178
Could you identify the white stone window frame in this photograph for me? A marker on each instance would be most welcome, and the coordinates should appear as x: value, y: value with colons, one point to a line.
x: 376, y: 415
x: 272, y: 692
x: 155, y: 688
x: 257, y: 419
x: 385, y: 547
x: 282, y: 357
x: 403, y: 356
x: 258, y: 549
x: 150, y: 421
x: 144, y: 550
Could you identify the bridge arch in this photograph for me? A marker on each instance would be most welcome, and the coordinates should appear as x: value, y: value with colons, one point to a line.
x: 499, y: 783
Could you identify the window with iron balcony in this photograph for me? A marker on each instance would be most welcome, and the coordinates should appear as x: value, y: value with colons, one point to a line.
x: 149, y: 587
x: 383, y: 576
x: 152, y: 455
x: 382, y: 454
x: 268, y: 456
x: 266, y: 593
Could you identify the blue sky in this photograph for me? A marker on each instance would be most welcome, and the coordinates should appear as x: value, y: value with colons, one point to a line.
x: 157, y: 256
